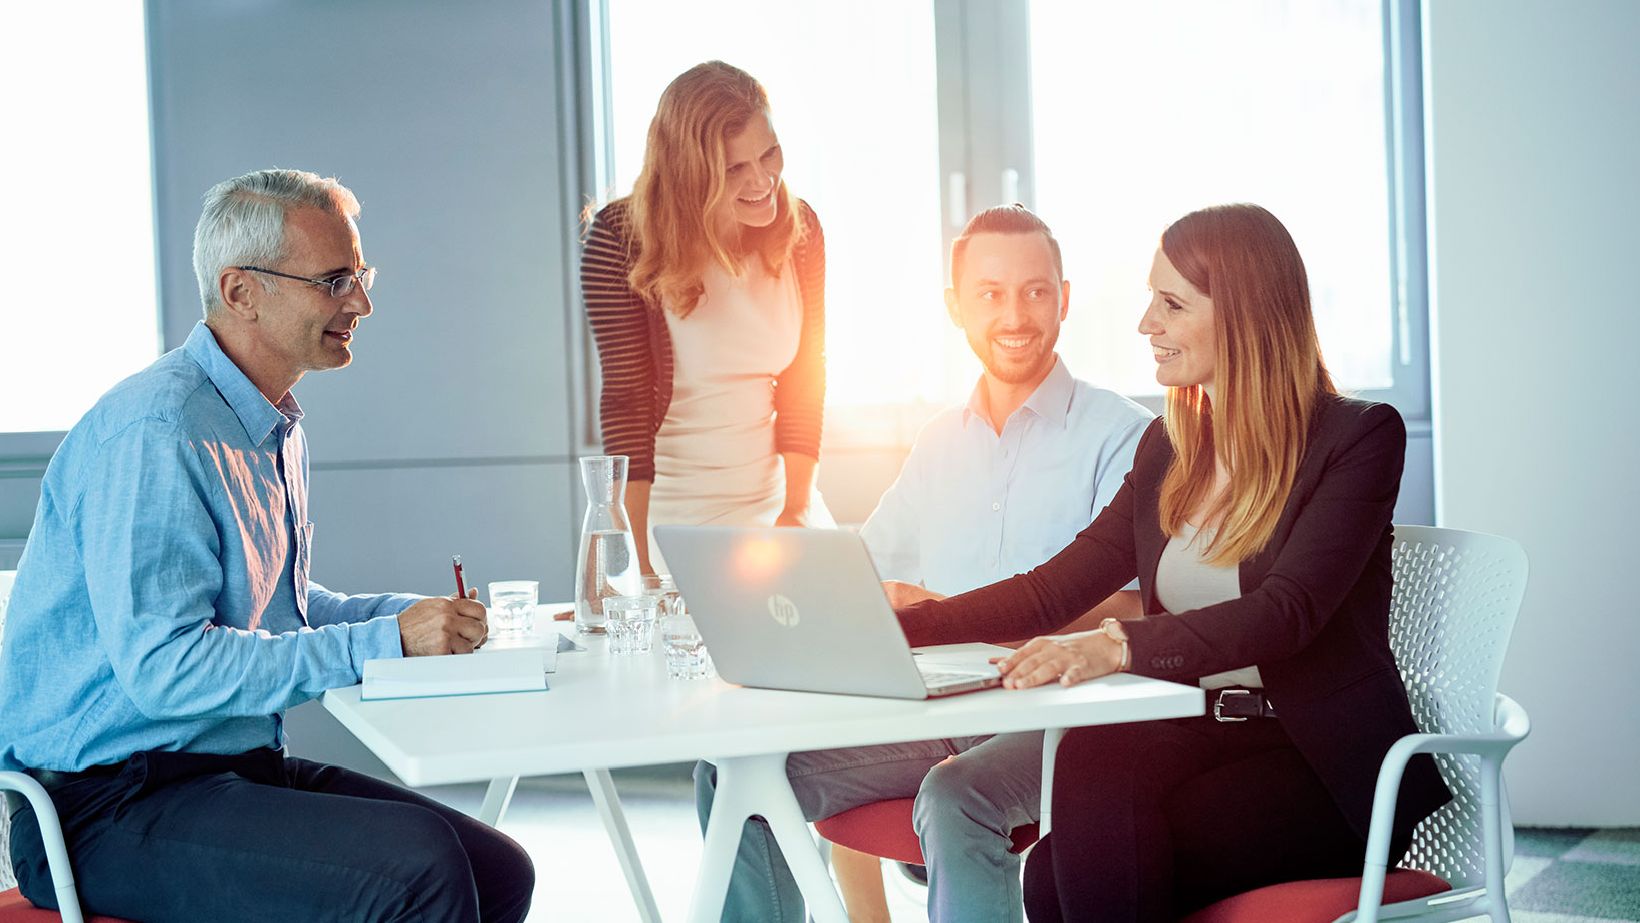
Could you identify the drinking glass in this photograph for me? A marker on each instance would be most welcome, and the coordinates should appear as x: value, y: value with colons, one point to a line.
x: 512, y: 606
x: 664, y: 589
x: 686, y: 656
x: 630, y: 623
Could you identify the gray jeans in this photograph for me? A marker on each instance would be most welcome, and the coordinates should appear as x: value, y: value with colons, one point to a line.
x: 971, y: 793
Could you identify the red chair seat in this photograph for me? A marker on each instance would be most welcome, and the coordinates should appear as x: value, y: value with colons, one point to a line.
x: 1320, y: 901
x: 883, y: 828
x: 15, y: 908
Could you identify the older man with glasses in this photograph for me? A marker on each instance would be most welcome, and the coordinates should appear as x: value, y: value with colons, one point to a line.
x: 163, y: 619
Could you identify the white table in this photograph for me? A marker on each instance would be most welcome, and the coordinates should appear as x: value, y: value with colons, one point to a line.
x: 605, y: 712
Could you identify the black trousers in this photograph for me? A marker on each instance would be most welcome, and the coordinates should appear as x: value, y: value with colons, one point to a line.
x: 259, y: 836
x: 1154, y: 820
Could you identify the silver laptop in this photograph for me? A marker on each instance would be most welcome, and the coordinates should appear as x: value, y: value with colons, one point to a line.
x: 801, y: 609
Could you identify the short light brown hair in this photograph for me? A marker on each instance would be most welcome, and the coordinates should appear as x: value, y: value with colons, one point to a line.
x: 1004, y: 219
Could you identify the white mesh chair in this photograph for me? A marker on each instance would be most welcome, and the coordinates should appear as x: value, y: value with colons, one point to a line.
x: 1453, y: 607
x: 50, y: 831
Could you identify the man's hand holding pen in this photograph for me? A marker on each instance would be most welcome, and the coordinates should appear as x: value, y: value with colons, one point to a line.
x: 443, y: 625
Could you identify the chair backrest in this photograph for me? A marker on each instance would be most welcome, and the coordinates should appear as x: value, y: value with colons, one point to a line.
x: 6, y: 879
x: 1454, y: 605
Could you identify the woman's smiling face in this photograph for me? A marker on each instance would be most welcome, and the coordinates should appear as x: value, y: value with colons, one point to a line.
x: 1179, y: 323
x: 752, y: 165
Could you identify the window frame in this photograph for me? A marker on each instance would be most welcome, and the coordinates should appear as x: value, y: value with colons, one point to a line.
x: 978, y: 44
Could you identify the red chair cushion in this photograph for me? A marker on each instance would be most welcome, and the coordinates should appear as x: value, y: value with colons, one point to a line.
x: 883, y: 828
x: 1320, y: 901
x: 15, y: 908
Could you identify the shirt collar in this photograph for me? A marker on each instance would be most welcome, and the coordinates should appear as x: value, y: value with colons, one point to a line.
x: 256, y: 414
x: 1051, y: 400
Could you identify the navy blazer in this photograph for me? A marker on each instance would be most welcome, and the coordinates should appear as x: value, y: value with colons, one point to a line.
x: 1313, y: 615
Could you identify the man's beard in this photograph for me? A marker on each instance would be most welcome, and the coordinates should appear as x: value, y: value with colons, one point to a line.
x: 1011, y: 373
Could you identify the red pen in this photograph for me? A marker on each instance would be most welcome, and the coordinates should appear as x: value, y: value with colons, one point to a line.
x: 461, y: 587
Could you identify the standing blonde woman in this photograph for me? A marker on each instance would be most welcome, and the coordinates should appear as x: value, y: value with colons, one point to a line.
x: 1257, y: 520
x: 705, y: 289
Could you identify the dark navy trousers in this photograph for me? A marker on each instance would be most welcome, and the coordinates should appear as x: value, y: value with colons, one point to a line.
x: 262, y: 836
x: 1155, y: 819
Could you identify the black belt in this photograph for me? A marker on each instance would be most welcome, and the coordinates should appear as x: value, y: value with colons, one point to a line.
x: 50, y: 779
x: 1236, y: 703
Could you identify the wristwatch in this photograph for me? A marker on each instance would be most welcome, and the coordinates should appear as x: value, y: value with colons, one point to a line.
x: 1113, y: 629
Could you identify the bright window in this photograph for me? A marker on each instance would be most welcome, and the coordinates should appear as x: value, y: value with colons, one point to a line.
x: 80, y: 310
x: 851, y: 86
x: 1110, y: 120
x: 1145, y: 111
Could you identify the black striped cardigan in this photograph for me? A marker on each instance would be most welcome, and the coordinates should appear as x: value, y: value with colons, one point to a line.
x: 635, y: 349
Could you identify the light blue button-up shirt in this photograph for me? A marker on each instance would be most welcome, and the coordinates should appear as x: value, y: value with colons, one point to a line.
x: 163, y: 600
x: 971, y: 507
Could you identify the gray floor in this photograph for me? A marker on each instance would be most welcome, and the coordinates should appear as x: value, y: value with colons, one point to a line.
x: 1559, y: 876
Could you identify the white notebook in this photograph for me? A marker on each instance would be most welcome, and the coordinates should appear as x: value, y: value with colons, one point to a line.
x: 516, y: 670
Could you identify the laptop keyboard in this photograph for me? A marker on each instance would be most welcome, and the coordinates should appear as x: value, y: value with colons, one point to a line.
x: 935, y: 678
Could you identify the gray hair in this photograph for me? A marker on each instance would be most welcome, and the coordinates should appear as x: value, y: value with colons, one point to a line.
x: 243, y: 223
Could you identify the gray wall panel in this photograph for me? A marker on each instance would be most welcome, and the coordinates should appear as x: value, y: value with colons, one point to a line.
x: 394, y: 529
x: 442, y: 119
x: 1416, y: 504
x: 19, y: 495
x: 1533, y: 192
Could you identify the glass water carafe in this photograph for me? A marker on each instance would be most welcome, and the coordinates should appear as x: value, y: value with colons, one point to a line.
x: 608, y: 563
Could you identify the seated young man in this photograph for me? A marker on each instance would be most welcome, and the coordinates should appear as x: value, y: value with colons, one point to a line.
x: 991, y: 488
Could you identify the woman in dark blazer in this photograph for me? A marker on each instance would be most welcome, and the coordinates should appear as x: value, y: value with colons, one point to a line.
x: 1257, y: 520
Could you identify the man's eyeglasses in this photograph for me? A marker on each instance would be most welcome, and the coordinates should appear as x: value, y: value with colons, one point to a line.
x: 340, y: 286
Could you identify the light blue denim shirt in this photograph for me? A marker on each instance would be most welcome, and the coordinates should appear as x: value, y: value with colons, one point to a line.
x: 163, y: 600
x: 971, y: 506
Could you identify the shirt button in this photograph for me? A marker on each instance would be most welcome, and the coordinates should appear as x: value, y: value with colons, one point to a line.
x: 996, y: 506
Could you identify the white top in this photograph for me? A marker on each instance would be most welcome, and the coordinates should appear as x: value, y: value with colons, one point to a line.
x: 1185, y: 581
x: 715, y: 456
x: 971, y: 507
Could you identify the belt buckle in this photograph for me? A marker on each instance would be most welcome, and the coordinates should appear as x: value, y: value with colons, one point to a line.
x: 1218, y: 704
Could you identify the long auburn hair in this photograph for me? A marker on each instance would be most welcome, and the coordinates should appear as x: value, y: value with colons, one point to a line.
x: 1268, y: 377
x: 681, y: 186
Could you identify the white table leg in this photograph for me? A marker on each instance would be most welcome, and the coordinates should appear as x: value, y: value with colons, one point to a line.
x: 749, y: 785
x: 620, y: 836
x: 1050, y: 751
x: 496, y: 799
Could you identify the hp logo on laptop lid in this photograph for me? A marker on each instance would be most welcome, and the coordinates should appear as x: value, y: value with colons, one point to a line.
x: 784, y: 611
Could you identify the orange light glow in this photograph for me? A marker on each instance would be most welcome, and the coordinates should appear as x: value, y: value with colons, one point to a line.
x: 756, y: 559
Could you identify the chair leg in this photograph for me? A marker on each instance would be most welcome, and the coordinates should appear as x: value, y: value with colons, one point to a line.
x: 51, y: 834
x: 1492, y: 830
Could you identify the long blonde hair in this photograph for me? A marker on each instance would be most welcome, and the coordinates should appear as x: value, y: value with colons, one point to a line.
x: 681, y: 186
x: 1267, y: 380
